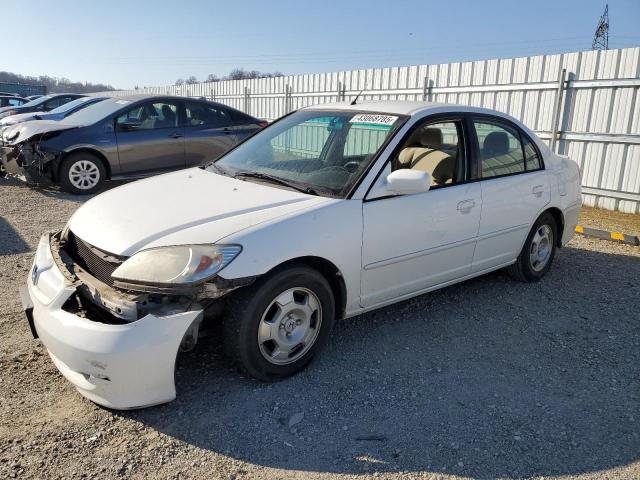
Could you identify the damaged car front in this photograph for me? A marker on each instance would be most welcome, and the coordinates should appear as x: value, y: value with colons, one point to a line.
x: 25, y: 152
x: 130, y: 280
x: 108, y: 334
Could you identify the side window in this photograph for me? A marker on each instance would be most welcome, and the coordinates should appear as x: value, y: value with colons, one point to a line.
x: 199, y: 114
x: 531, y: 157
x: 500, y: 149
x: 436, y: 148
x: 152, y: 115
x: 53, y: 103
x: 14, y: 102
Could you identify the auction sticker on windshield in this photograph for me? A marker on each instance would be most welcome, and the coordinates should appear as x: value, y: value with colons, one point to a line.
x: 373, y: 119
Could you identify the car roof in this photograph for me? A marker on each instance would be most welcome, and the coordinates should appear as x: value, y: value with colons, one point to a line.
x: 149, y: 96
x: 404, y: 107
x: 145, y: 96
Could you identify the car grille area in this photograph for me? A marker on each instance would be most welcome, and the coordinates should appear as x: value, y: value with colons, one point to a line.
x: 98, y: 263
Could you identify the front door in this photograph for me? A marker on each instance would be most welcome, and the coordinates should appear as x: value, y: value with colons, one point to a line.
x: 150, y: 137
x: 414, y: 242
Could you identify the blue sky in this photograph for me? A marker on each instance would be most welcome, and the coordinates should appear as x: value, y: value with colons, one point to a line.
x: 145, y: 43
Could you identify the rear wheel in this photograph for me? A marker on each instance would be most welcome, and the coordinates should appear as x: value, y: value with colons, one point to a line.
x: 274, y: 328
x: 82, y: 173
x: 538, y: 251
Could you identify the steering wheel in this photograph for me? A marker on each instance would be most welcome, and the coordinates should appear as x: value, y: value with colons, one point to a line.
x: 352, y: 166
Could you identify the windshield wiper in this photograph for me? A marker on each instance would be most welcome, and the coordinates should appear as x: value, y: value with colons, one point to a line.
x: 279, y: 181
x: 216, y: 168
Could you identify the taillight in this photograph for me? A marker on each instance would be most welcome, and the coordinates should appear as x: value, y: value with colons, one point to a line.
x: 262, y: 123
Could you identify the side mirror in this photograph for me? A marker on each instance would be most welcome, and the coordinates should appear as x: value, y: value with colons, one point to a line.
x: 130, y: 124
x: 406, y: 181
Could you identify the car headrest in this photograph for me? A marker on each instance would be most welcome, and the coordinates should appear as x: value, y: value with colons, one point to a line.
x: 431, y: 138
x: 496, y: 143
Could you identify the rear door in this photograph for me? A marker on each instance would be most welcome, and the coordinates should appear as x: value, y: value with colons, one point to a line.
x: 514, y: 190
x: 150, y: 137
x: 209, y: 132
x: 244, y: 125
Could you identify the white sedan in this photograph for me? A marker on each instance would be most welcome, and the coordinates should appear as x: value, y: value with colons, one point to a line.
x: 329, y: 212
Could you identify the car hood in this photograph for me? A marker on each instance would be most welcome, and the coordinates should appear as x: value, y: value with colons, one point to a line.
x: 191, y: 206
x: 20, y: 132
x: 18, y: 118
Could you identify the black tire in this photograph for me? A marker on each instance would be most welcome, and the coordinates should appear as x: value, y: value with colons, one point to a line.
x: 245, y: 312
x: 524, y: 270
x: 94, y: 165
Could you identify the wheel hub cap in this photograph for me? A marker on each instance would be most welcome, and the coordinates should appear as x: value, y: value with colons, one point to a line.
x: 289, y: 326
x: 541, y: 248
x: 84, y: 175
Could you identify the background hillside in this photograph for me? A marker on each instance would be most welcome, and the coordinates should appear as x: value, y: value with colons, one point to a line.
x: 55, y: 85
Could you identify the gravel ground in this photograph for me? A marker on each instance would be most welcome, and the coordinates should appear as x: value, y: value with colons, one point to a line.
x: 486, y: 379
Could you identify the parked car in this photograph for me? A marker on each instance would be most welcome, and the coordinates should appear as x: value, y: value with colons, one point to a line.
x: 42, y: 104
x: 124, y: 137
x: 327, y: 213
x: 56, y: 114
x: 11, y: 101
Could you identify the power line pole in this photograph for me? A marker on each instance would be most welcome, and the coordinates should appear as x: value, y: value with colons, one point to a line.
x: 601, y: 38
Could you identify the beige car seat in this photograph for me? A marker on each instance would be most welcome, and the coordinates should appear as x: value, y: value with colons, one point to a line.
x: 425, y: 151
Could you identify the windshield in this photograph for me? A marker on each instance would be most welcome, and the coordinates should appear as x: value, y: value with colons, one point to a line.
x: 97, y: 111
x: 326, y: 151
x: 77, y: 103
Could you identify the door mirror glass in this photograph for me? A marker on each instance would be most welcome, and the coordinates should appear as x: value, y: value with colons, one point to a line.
x: 406, y: 181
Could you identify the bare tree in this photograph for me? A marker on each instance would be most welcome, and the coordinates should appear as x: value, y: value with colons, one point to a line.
x: 212, y: 78
x: 192, y: 80
x: 179, y: 82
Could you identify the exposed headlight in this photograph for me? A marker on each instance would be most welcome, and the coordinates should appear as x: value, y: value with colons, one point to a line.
x: 181, y: 265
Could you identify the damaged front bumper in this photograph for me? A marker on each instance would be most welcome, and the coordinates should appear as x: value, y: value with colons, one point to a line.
x: 117, y: 365
x: 27, y: 160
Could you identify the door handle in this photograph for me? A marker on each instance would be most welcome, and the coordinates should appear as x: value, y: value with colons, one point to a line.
x: 175, y: 135
x: 466, y: 205
x: 227, y: 130
x: 538, y: 190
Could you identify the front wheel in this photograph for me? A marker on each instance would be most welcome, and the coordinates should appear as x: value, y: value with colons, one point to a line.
x: 538, y: 251
x: 82, y: 173
x: 274, y: 328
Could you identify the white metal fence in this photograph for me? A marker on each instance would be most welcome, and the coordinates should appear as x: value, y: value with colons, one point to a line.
x: 585, y: 104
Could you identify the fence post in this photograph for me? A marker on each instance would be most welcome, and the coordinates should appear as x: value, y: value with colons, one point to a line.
x: 246, y: 100
x: 556, y: 111
x: 425, y: 86
x: 288, y: 104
